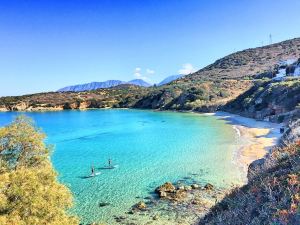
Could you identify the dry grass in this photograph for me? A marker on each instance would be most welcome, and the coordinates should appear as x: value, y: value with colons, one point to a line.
x: 272, y: 195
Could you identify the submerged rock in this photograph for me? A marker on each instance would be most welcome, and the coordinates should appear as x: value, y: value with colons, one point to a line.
x: 196, y: 201
x: 162, y: 194
x: 179, y: 195
x: 181, y: 187
x: 187, y: 188
x: 209, y: 186
x: 156, y: 217
x: 195, y: 186
x: 140, y: 205
x: 166, y: 187
x: 102, y: 204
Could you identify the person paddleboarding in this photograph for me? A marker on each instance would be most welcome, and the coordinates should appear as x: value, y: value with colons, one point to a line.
x: 93, y: 171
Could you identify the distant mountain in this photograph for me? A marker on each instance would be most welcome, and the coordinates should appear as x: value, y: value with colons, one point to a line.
x: 139, y: 82
x: 104, y: 84
x: 170, y: 79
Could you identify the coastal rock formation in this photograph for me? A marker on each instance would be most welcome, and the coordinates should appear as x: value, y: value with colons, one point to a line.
x: 292, y: 133
x: 269, y: 100
x: 169, y: 191
x: 166, y: 187
x: 180, y: 192
x: 195, y: 186
x: 208, y: 186
x: 270, y: 197
x: 140, y: 206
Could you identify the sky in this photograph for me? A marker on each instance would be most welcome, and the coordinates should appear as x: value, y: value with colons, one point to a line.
x: 48, y: 44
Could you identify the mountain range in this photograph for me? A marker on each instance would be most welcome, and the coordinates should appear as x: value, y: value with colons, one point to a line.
x: 169, y: 79
x: 104, y: 84
x: 113, y: 83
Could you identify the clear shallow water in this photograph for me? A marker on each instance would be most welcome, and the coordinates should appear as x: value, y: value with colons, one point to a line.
x: 149, y: 147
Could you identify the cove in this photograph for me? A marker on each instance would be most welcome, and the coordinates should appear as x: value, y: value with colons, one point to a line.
x: 149, y: 148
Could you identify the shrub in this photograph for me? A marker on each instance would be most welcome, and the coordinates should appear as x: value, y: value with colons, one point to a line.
x: 29, y: 190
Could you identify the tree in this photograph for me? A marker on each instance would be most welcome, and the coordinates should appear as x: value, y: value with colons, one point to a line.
x: 29, y: 190
x: 22, y: 144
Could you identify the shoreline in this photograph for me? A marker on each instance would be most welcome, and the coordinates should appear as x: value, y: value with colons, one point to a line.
x: 255, y: 139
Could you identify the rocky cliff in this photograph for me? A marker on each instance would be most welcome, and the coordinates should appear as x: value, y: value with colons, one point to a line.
x: 276, y: 101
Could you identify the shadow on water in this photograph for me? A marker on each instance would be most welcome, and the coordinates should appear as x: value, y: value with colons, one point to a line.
x: 85, y: 177
x: 108, y: 167
x: 86, y: 137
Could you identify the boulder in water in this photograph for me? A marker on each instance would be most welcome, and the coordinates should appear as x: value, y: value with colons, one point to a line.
x: 208, y: 186
x: 187, y: 188
x: 102, y: 204
x: 194, y: 186
x: 166, y: 187
x: 140, y: 205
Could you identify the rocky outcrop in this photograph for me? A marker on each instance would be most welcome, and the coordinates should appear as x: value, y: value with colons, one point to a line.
x: 268, y: 100
x: 22, y: 106
x: 292, y: 133
x: 164, y: 189
x: 271, y: 195
x: 140, y: 206
x: 3, y: 109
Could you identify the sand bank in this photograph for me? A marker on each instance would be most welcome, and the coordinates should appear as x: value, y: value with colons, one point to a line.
x: 255, y: 138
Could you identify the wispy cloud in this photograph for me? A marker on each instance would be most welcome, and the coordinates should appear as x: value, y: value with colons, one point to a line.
x: 149, y: 71
x: 139, y: 75
x: 137, y: 72
x: 187, y: 68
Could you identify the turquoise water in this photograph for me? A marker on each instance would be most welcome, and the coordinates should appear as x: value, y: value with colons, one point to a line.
x: 149, y: 147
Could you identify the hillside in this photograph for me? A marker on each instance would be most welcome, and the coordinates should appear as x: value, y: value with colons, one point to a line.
x: 270, y: 197
x: 249, y: 62
x: 268, y: 100
x: 202, y: 96
x: 120, y: 96
x: 207, y: 90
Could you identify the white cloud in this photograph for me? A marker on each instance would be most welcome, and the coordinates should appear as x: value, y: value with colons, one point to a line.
x: 138, y: 74
x: 187, y: 68
x: 149, y: 71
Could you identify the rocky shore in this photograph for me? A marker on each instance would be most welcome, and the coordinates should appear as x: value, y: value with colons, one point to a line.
x: 173, y: 203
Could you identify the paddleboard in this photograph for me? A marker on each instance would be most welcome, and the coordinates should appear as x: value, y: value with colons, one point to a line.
x: 109, y: 167
x: 90, y: 176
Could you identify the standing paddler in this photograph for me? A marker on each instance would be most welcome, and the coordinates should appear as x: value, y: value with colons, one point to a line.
x: 93, y: 171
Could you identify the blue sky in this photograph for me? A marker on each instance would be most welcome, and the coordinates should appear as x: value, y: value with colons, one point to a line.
x: 49, y: 44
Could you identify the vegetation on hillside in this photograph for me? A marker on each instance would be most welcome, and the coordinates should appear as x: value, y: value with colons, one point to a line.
x: 201, y: 96
x: 205, y: 90
x: 272, y: 195
x: 278, y: 101
x: 250, y: 62
x: 29, y: 190
x: 204, y: 96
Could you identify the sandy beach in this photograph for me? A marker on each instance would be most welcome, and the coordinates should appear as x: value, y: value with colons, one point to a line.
x: 255, y: 138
